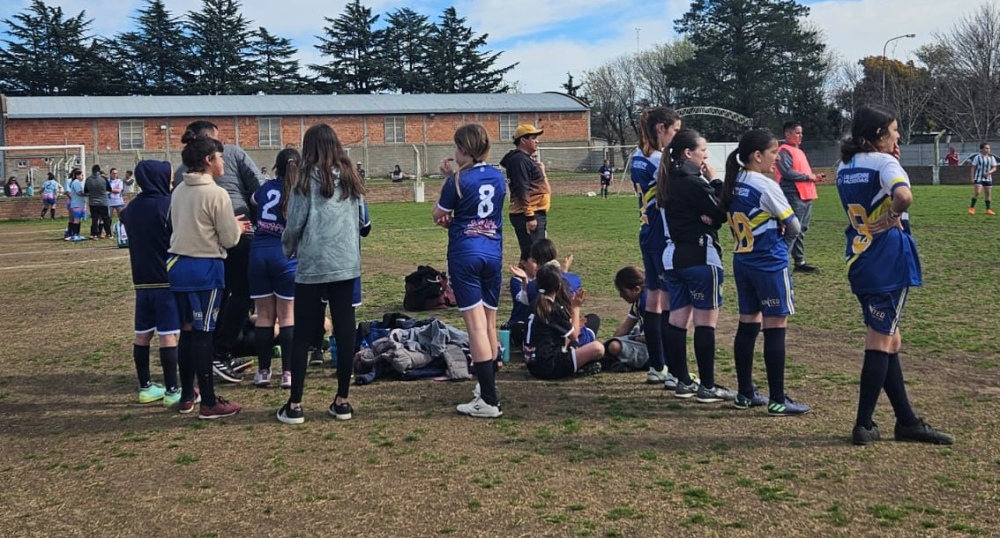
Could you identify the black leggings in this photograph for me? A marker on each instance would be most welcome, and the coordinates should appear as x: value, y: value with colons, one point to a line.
x: 236, y: 299
x: 309, y: 313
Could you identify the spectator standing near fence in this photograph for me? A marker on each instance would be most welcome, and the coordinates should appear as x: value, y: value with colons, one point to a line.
x: 530, y: 193
x: 116, y: 200
x: 798, y: 182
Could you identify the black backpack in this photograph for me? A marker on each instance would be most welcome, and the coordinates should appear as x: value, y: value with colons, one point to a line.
x: 427, y: 289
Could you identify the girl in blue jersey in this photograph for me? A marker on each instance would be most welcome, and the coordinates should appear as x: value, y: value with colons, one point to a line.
x: 470, y: 208
x: 551, y: 343
x: 692, y: 262
x: 758, y: 214
x: 50, y: 190
x: 882, y: 265
x: 626, y: 350
x: 657, y: 127
x: 272, y: 275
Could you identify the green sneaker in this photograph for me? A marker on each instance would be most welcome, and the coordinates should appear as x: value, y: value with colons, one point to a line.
x: 152, y: 393
x: 172, y: 399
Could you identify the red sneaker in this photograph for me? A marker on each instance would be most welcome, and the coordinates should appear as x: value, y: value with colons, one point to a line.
x: 221, y: 409
x: 186, y: 406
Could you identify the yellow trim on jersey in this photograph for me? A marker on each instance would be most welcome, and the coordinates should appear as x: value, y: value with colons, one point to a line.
x: 897, y: 180
x: 170, y: 262
x: 164, y: 285
x: 760, y: 218
x: 785, y: 215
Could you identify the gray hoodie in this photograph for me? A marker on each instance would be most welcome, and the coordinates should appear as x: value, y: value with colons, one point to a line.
x: 241, y: 179
x: 324, y: 234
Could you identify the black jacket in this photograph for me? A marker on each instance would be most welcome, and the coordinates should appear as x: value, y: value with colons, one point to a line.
x: 147, y: 223
x: 690, y: 197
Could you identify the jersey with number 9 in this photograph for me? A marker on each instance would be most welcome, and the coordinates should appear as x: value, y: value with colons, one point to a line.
x: 476, y: 204
x: 884, y: 262
x: 269, y: 220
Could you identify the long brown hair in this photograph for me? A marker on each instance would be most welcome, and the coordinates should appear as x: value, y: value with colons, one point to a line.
x: 549, y: 279
x: 323, y: 153
x: 685, y: 139
x: 751, y: 142
x: 870, y: 124
x: 648, y: 120
x: 281, y: 163
x: 472, y: 140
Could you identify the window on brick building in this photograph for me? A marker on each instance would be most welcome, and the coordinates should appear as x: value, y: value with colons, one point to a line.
x: 269, y: 132
x: 130, y: 135
x: 508, y: 124
x: 395, y: 129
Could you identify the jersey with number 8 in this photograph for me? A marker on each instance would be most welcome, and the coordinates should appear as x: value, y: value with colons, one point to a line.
x: 883, y: 262
x: 476, y: 204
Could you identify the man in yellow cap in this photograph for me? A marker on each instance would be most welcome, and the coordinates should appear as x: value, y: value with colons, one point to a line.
x: 529, y: 188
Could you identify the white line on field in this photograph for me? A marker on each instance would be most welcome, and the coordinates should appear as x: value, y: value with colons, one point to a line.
x: 53, y: 251
x: 75, y: 262
x: 53, y: 231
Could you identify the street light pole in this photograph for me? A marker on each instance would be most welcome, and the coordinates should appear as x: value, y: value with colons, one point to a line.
x: 885, y: 61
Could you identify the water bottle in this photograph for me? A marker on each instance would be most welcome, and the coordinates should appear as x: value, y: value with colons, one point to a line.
x: 504, y: 335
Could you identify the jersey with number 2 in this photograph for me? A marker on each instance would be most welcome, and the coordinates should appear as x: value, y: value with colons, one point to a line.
x: 477, y: 211
x: 883, y: 262
x: 270, y: 222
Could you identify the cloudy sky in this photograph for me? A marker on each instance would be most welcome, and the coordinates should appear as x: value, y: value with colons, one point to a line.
x: 552, y: 37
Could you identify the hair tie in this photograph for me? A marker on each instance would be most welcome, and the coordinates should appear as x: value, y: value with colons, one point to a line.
x: 555, y: 263
x: 739, y: 161
x: 541, y: 290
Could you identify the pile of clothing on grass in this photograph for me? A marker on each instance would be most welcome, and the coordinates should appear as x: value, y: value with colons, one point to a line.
x: 399, y: 347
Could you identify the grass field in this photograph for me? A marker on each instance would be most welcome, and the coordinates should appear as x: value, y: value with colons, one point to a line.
x: 602, y: 456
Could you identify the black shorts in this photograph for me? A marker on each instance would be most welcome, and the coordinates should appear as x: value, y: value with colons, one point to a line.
x: 553, y: 365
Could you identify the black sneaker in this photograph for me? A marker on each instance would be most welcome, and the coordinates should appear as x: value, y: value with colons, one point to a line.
x: 865, y: 436
x: 225, y: 372
x: 316, y: 357
x: 805, y: 268
x: 342, y: 411
x: 591, y: 368
x: 921, y: 432
x: 288, y: 415
x: 239, y: 364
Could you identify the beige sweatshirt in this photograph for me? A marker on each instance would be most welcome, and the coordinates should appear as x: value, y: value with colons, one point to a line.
x: 201, y: 214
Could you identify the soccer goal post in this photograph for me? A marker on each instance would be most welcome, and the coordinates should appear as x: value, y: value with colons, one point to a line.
x: 51, y: 158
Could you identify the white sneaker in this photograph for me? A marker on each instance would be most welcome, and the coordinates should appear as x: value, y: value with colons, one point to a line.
x: 479, y: 408
x: 661, y: 376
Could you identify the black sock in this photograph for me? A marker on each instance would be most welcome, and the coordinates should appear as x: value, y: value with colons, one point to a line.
x: 285, y: 337
x: 140, y: 356
x: 743, y: 345
x: 704, y: 353
x: 486, y: 375
x: 201, y: 352
x: 168, y: 361
x: 264, y: 338
x: 185, y: 365
x: 895, y: 389
x: 654, y: 340
x: 52, y: 213
x: 873, y: 374
x: 988, y: 202
x: 42, y: 216
x: 677, y: 353
x: 774, y: 362
x: 973, y: 203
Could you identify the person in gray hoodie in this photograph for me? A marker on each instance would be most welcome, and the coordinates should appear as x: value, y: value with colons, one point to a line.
x: 96, y: 188
x: 323, y: 231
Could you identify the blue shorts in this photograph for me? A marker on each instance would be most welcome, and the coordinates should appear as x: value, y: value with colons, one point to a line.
x: 699, y: 286
x: 199, y: 308
x: 48, y: 199
x: 270, y: 272
x: 156, y: 309
x: 767, y: 292
x: 652, y: 264
x: 78, y: 212
x: 882, y: 310
x: 475, y: 280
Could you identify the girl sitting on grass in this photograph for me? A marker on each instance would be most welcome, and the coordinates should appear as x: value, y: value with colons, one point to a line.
x: 551, y: 350
x: 626, y: 350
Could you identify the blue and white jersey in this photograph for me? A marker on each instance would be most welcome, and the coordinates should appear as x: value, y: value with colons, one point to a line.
x: 754, y: 215
x: 476, y: 205
x: 981, y: 165
x: 50, y: 187
x: 637, y: 311
x: 76, y: 190
x: 269, y: 221
x: 643, y: 173
x: 886, y: 261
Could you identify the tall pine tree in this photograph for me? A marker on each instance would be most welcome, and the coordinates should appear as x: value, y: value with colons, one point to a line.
x: 755, y: 57
x: 157, y: 53
x: 43, y: 53
x: 457, y: 63
x: 102, y: 71
x: 406, y: 49
x: 221, y: 40
x: 352, y: 44
x: 277, y: 71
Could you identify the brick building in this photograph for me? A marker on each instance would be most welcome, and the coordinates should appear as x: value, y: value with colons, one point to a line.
x: 378, y: 130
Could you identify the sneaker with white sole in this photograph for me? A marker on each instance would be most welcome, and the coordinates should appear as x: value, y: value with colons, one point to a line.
x: 715, y: 394
x: 286, y: 379
x: 288, y: 415
x: 222, y: 408
x: 262, y: 378
x: 341, y: 411
x: 316, y: 357
x: 152, y: 393
x: 661, y: 376
x: 170, y: 399
x: 225, y: 372
x: 746, y: 402
x: 685, y: 391
x: 480, y: 409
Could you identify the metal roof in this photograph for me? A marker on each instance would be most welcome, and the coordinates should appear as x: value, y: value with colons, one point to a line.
x: 144, y: 106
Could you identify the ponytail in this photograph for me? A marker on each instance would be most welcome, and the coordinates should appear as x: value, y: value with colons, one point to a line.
x: 733, y: 168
